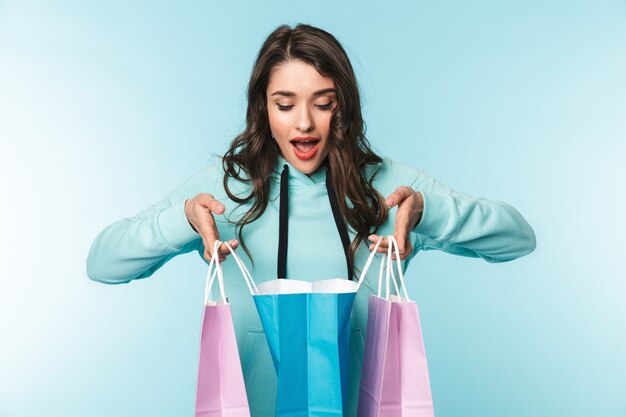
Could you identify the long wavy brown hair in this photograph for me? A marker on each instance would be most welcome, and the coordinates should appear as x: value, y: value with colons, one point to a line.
x: 255, y: 152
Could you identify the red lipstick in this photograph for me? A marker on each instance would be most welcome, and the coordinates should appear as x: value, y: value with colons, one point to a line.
x: 305, y: 148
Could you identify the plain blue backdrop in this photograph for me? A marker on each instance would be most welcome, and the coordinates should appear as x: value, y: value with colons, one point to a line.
x: 107, y: 106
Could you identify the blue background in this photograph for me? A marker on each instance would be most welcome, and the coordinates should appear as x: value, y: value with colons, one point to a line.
x: 106, y: 107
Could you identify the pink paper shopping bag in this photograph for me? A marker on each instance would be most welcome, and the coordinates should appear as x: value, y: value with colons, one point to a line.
x: 220, y: 390
x: 394, y: 376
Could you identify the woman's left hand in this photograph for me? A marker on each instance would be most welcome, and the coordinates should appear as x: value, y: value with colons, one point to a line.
x: 410, y: 208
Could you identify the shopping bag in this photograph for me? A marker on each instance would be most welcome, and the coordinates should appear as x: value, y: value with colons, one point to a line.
x: 394, y: 376
x: 307, y: 329
x: 220, y: 390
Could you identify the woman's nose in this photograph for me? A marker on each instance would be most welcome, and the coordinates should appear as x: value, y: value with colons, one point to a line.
x: 305, y: 121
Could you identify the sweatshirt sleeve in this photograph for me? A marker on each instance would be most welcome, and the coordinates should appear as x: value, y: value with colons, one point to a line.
x: 461, y: 224
x: 135, y: 247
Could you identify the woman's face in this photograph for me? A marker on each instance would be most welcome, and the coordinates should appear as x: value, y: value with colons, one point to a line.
x: 300, y: 103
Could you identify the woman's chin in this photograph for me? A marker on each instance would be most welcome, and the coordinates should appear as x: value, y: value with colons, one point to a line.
x: 308, y: 162
x: 306, y: 167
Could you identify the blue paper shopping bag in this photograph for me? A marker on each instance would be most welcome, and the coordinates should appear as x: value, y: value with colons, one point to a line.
x: 308, y: 335
x: 307, y: 329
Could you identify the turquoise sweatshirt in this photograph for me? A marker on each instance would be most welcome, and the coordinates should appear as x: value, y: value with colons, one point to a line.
x: 452, y: 221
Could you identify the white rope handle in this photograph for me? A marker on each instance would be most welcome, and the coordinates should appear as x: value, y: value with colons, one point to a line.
x: 389, y: 273
x: 383, y: 262
x: 388, y: 269
x: 209, y: 281
x: 367, y: 264
x: 246, y: 274
x: 215, y: 263
x: 390, y: 276
x: 394, y: 244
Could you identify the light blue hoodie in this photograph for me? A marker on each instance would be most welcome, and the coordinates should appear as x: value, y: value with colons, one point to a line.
x: 452, y: 221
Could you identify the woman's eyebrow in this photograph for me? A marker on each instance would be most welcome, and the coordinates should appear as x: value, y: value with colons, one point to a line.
x: 292, y: 94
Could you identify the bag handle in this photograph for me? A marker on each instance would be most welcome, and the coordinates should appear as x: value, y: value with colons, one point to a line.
x: 215, y: 263
x: 210, y: 278
x: 246, y: 274
x: 255, y: 291
x: 393, y: 244
x: 368, y: 263
x: 385, y: 262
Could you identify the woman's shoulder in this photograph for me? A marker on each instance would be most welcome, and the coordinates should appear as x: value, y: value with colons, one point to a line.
x: 391, y: 172
x: 240, y: 187
x: 206, y: 178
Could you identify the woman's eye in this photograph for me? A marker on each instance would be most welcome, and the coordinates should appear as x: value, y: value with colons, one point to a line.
x: 325, y: 106
x: 319, y: 106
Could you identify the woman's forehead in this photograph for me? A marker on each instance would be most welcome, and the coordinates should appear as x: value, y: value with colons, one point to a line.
x: 297, y: 78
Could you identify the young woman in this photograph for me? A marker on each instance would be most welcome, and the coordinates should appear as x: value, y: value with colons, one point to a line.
x: 304, y: 147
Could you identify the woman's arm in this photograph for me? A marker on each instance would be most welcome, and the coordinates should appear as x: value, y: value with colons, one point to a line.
x: 135, y: 247
x: 458, y: 223
x: 431, y: 215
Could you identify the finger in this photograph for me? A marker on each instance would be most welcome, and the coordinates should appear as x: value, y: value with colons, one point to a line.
x: 223, y: 249
x: 206, y: 227
x: 401, y: 226
x: 216, y: 254
x: 211, y: 203
x: 398, y: 196
x: 208, y: 247
x: 404, y: 254
x: 208, y: 256
x: 383, y: 244
x: 220, y: 256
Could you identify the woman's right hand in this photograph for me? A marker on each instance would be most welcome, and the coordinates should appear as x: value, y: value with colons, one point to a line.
x: 199, y: 211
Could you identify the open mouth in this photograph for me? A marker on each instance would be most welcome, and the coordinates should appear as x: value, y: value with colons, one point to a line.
x: 304, y: 146
x: 305, y: 149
